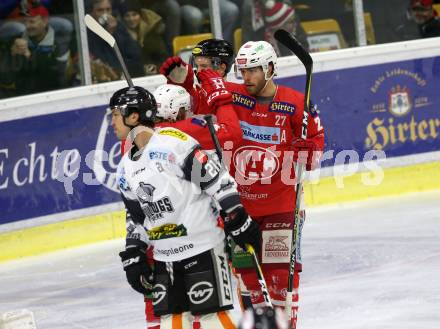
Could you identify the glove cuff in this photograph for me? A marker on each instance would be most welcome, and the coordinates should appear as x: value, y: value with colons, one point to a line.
x: 235, y: 220
x: 132, y: 256
x: 242, y: 228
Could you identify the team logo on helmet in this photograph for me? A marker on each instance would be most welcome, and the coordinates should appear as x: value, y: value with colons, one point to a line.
x: 197, y: 50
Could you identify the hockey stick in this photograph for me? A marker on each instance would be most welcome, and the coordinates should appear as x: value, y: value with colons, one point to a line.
x: 286, y: 39
x: 97, y: 28
x: 249, y: 248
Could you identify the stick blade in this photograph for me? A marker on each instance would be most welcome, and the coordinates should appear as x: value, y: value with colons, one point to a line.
x: 295, y: 46
x: 96, y: 28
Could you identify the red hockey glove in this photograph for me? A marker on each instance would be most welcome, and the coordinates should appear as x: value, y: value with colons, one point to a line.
x: 214, y: 88
x: 306, y: 152
x: 178, y: 72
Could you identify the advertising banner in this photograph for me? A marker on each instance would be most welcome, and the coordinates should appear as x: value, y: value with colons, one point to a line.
x: 33, y: 183
x: 394, y: 108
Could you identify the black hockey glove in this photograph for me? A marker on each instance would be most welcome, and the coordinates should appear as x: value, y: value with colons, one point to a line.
x: 242, y: 229
x: 138, y: 272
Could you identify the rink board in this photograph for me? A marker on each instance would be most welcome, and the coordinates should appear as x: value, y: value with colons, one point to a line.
x: 378, y: 98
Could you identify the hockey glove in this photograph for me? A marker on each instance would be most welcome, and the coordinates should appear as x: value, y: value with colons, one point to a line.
x: 306, y: 152
x: 242, y: 229
x: 214, y: 89
x: 138, y: 272
x: 178, y: 72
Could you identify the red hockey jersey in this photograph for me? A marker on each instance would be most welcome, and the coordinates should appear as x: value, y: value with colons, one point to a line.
x: 227, y: 128
x: 262, y: 165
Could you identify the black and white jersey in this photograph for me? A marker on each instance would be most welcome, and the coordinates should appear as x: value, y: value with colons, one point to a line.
x: 173, y: 190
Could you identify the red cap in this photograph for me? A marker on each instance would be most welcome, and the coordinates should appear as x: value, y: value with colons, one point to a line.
x: 277, y: 14
x: 38, y: 11
x: 421, y: 3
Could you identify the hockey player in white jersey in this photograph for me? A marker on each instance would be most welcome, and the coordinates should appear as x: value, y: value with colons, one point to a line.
x: 173, y: 191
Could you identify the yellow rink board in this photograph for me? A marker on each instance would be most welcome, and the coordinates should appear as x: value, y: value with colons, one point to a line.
x: 51, y: 237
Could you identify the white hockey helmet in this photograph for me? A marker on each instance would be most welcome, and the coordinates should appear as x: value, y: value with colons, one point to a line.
x: 169, y: 99
x: 254, y: 54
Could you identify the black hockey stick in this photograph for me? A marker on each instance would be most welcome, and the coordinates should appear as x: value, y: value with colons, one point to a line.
x: 286, y: 39
x: 249, y: 248
x: 97, y: 28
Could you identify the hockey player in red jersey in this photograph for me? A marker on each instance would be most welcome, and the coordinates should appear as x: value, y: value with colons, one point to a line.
x: 227, y: 127
x: 220, y: 100
x: 212, y: 60
x: 270, y: 117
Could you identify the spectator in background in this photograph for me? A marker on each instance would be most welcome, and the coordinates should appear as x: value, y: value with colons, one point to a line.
x: 390, y: 20
x: 15, y: 10
x: 62, y: 26
x: 426, y: 18
x: 36, y: 61
x: 104, y: 64
x: 146, y: 28
x: 12, y: 12
x: 194, y: 13
x: 261, y: 18
x: 252, y: 21
x: 170, y: 12
x: 279, y: 15
x: 188, y: 16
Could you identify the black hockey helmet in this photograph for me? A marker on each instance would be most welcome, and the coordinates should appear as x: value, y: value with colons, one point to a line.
x: 216, y: 48
x: 264, y: 318
x: 136, y: 99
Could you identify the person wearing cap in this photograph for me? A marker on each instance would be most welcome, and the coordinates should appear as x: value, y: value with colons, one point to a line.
x: 15, y: 10
x: 147, y: 29
x: 279, y: 15
x: 261, y: 18
x: 37, y: 61
x: 426, y: 18
x: 12, y: 11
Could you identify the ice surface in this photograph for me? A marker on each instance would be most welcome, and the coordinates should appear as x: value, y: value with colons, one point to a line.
x: 373, y: 264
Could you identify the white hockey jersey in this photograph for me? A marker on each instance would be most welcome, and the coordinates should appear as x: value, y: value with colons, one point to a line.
x: 172, y: 190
